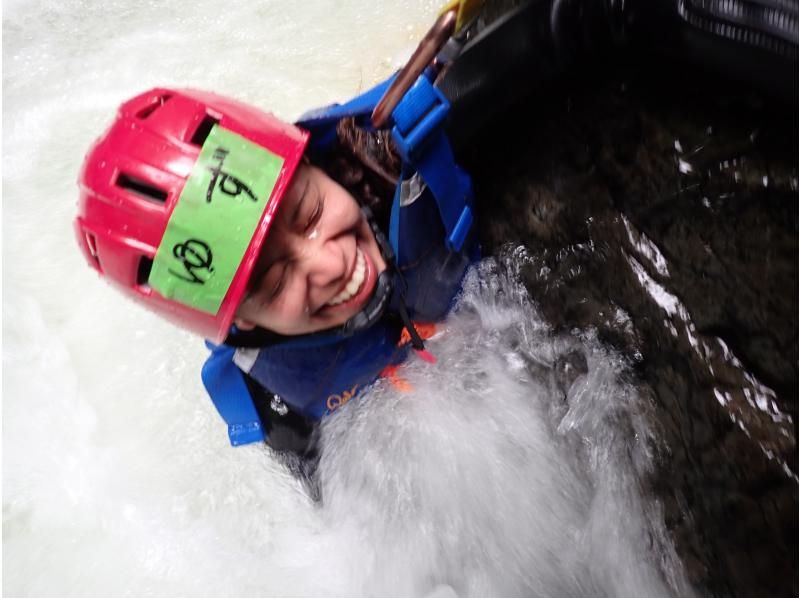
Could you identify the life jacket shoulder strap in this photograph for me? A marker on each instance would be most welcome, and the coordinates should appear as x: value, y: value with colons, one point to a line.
x: 419, y: 134
x: 228, y: 390
x: 420, y: 137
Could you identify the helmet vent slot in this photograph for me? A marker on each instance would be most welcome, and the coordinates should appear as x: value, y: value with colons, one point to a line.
x: 157, y: 103
x: 141, y: 187
x: 143, y: 271
x: 203, y: 130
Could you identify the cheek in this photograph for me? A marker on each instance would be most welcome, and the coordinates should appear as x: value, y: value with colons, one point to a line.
x: 290, y: 305
x: 252, y: 310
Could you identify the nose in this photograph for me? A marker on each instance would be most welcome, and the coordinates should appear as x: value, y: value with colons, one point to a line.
x: 325, y: 264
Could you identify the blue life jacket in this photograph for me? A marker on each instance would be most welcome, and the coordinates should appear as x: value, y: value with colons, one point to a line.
x: 430, y: 232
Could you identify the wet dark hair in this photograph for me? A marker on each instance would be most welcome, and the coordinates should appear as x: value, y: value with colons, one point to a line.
x: 365, y: 163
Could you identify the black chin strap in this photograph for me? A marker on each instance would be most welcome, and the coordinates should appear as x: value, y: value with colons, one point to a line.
x: 383, y: 292
x: 374, y: 308
x: 416, y: 339
x: 377, y: 304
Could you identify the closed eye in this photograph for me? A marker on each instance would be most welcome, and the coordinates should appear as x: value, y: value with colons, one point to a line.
x: 316, y: 214
x: 268, y: 286
x: 309, y: 208
x: 278, y: 280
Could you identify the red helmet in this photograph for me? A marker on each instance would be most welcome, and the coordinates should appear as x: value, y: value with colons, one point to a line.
x: 179, y: 178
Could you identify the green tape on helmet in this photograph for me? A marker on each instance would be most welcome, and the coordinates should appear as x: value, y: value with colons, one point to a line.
x: 214, y: 220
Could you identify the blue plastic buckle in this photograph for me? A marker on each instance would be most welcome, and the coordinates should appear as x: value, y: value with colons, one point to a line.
x: 420, y: 114
x: 245, y: 433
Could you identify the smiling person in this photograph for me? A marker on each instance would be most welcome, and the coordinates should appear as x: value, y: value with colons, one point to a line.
x: 321, y: 263
x: 309, y: 255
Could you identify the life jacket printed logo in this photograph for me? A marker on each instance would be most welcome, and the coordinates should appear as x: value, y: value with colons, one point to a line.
x: 194, y: 254
x: 228, y: 184
x: 336, y: 401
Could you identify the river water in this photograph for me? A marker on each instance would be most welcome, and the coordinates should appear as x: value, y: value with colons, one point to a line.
x: 515, y: 466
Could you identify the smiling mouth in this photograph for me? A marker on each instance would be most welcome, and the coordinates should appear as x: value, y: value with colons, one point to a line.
x: 354, y: 284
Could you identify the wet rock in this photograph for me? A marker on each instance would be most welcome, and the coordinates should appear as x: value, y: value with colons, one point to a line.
x: 662, y: 212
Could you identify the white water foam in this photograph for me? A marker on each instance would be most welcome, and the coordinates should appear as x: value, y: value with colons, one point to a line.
x: 489, y: 478
x: 497, y: 475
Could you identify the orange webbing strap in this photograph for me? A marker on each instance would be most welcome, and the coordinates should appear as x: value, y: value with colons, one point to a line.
x: 390, y: 372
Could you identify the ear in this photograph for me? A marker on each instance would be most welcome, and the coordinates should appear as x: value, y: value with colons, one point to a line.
x: 243, y: 324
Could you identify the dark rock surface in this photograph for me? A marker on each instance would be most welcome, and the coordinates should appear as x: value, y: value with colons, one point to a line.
x: 661, y: 209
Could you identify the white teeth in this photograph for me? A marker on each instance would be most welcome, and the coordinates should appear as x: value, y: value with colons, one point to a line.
x: 355, y: 282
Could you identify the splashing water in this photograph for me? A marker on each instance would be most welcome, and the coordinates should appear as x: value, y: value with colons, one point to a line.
x: 515, y: 467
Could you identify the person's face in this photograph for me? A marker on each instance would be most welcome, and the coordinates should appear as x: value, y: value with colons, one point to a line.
x: 319, y: 263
